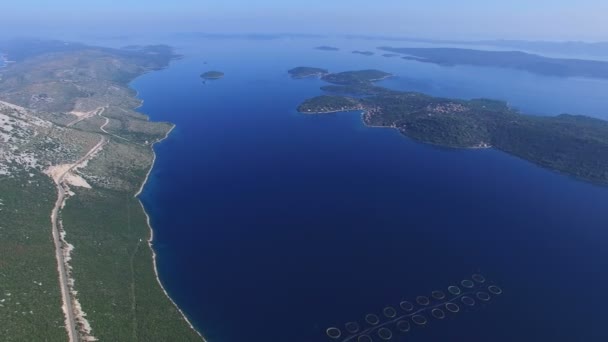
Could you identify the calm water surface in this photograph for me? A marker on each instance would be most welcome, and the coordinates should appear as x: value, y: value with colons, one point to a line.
x: 273, y: 226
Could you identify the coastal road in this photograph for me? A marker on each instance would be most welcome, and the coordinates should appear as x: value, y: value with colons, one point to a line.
x: 107, y: 121
x: 62, y: 266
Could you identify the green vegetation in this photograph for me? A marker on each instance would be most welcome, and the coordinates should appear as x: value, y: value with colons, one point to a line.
x: 96, y: 76
x: 30, y: 301
x: 212, y: 75
x: 303, y: 72
x: 507, y: 59
x: 575, y: 145
x: 111, y: 263
x: 133, y: 126
x: 113, y: 268
x: 356, y: 77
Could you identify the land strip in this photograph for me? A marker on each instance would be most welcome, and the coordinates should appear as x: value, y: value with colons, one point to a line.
x: 100, y: 161
x: 572, y: 144
x: 62, y: 249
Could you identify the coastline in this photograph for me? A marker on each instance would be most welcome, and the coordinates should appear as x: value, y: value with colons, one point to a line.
x: 481, y: 146
x: 317, y: 75
x: 151, y: 236
x: 118, y: 284
x: 382, y: 78
x: 143, y: 208
x: 364, y: 112
x: 332, y: 111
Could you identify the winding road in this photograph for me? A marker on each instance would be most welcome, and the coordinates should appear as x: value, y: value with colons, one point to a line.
x: 87, y: 115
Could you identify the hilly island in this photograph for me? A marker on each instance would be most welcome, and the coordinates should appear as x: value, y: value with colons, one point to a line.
x: 572, y: 144
x: 76, y: 262
x: 303, y: 72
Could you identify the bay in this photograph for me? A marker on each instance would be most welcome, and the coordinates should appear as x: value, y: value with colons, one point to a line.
x: 273, y: 226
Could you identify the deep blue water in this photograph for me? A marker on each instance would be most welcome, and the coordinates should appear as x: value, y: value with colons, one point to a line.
x: 273, y: 226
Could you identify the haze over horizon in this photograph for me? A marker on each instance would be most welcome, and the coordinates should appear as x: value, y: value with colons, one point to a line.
x: 303, y: 171
x: 435, y: 19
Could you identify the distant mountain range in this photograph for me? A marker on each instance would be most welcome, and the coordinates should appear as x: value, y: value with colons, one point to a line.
x: 558, y: 47
x: 561, y: 67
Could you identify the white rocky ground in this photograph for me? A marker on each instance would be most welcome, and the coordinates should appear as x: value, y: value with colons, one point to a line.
x: 17, y: 130
x: 29, y: 143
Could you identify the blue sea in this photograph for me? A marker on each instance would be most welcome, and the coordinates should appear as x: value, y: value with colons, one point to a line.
x: 273, y: 226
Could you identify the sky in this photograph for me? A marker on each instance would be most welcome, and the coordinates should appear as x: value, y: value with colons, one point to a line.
x: 438, y: 19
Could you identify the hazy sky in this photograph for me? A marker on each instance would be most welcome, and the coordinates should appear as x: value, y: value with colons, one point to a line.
x: 447, y: 19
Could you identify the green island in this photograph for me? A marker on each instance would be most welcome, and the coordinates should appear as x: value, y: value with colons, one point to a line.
x: 212, y: 75
x: 327, y: 48
x: 572, y: 144
x: 76, y: 262
x: 356, y: 78
x: 364, y: 53
x: 349, y: 82
x: 303, y: 72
